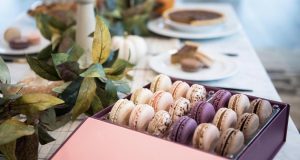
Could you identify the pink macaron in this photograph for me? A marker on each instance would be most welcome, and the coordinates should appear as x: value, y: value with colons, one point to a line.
x: 179, y: 89
x: 161, y: 100
x: 161, y: 83
x: 140, y: 117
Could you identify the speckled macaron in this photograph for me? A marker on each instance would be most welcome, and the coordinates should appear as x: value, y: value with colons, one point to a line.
x: 230, y: 142
x: 262, y: 108
x: 196, y: 93
x: 141, y: 96
x: 239, y: 103
x: 161, y: 83
x: 161, y: 101
x: 160, y: 123
x: 182, y: 130
x: 179, y: 108
x: 220, y: 99
x: 179, y: 89
x: 248, y: 123
x: 202, y: 112
x: 121, y: 111
x: 225, y: 118
x: 206, y: 137
x: 140, y: 117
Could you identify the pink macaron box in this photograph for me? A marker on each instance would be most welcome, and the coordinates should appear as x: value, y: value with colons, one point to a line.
x: 98, y: 138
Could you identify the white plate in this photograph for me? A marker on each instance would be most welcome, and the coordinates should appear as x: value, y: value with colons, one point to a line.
x: 223, y: 67
x: 159, y: 27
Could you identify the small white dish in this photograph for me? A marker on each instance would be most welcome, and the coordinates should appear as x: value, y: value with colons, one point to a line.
x: 222, y: 68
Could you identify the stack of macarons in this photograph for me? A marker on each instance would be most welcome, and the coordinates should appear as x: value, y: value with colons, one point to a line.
x: 16, y: 40
x: 181, y: 113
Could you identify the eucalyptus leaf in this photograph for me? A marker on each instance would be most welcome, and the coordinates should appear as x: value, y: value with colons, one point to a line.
x: 75, y: 52
x: 117, y: 71
x: 85, y: 97
x: 34, y: 102
x: 111, y: 59
x: 59, y: 58
x: 96, y: 106
x: 61, y: 88
x: 60, y: 121
x: 13, y: 129
x: 111, y: 91
x: 48, y: 117
x: 45, y: 53
x: 101, y: 42
x: 43, y: 25
x: 8, y: 150
x: 4, y: 75
x: 42, y: 69
x: 69, y: 70
x: 123, y: 88
x: 96, y: 70
x: 44, y: 137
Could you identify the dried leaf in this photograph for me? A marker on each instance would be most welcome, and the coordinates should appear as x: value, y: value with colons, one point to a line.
x: 8, y: 150
x: 55, y: 40
x: 4, y: 75
x: 96, y: 70
x: 45, y: 53
x: 48, y: 117
x: 101, y: 42
x: 13, y: 129
x: 68, y: 71
x: 61, y: 88
x: 85, y: 97
x: 96, y: 106
x: 60, y: 121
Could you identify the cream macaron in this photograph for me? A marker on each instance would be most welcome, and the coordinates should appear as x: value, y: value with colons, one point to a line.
x: 141, y: 96
x: 230, y: 142
x: 179, y: 89
x: 161, y: 100
x: 179, y: 108
x: 225, y: 118
x: 121, y: 111
x: 161, y: 83
x: 206, y: 137
x: 196, y: 93
x: 248, y: 123
x: 239, y: 103
x: 140, y: 117
x: 262, y: 108
x: 160, y: 123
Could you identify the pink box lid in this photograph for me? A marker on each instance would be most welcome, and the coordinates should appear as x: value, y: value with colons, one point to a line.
x: 97, y: 139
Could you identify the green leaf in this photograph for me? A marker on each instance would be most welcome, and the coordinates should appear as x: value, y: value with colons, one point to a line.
x: 45, y: 53
x: 96, y: 70
x: 117, y: 71
x: 8, y: 150
x: 42, y: 69
x: 101, y: 42
x: 44, y: 137
x: 61, y: 88
x: 96, y: 106
x: 13, y: 129
x: 68, y: 71
x: 123, y: 87
x: 43, y: 26
x: 48, y: 117
x: 111, y: 59
x: 59, y: 58
x: 60, y: 121
x: 75, y: 52
x: 4, y: 76
x: 111, y: 92
x: 35, y: 102
x: 85, y: 97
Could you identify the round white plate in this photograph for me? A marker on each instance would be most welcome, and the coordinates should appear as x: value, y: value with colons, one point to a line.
x: 158, y: 26
x: 223, y: 67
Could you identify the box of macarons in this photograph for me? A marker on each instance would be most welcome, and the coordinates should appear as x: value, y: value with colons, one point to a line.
x: 177, y: 119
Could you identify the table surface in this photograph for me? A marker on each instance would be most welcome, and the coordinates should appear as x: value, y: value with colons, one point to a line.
x: 252, y: 75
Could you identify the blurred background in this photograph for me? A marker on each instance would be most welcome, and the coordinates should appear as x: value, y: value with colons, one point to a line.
x: 273, y: 27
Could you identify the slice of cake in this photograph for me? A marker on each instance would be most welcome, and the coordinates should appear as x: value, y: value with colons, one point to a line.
x: 187, y: 51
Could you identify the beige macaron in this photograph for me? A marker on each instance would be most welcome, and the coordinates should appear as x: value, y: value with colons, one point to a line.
x: 239, y: 103
x: 121, y: 111
x: 140, y: 117
x: 230, y: 142
x: 196, y: 93
x: 12, y: 33
x: 262, y: 108
x: 160, y: 123
x: 248, y: 123
x: 141, y: 96
x: 225, y: 118
x: 206, y: 137
x: 179, y: 108
x: 179, y: 89
x: 161, y: 83
x: 161, y: 100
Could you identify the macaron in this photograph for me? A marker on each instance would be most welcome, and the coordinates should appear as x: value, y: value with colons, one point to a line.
x: 12, y: 33
x: 161, y: 83
x: 196, y: 93
x: 225, y: 118
x: 34, y: 38
x: 239, y: 103
x: 140, y: 117
x: 202, y: 112
x: 262, y: 108
x: 160, y: 123
x: 179, y: 89
x: 220, y: 99
x: 179, y: 108
x: 19, y: 43
x: 121, y: 111
x: 248, y: 123
x: 230, y: 142
x: 206, y: 137
x: 161, y: 100
x: 182, y: 130
x: 141, y: 96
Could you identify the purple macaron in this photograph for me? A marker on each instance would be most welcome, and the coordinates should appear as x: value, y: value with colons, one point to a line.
x: 182, y: 130
x: 220, y: 99
x: 203, y: 112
